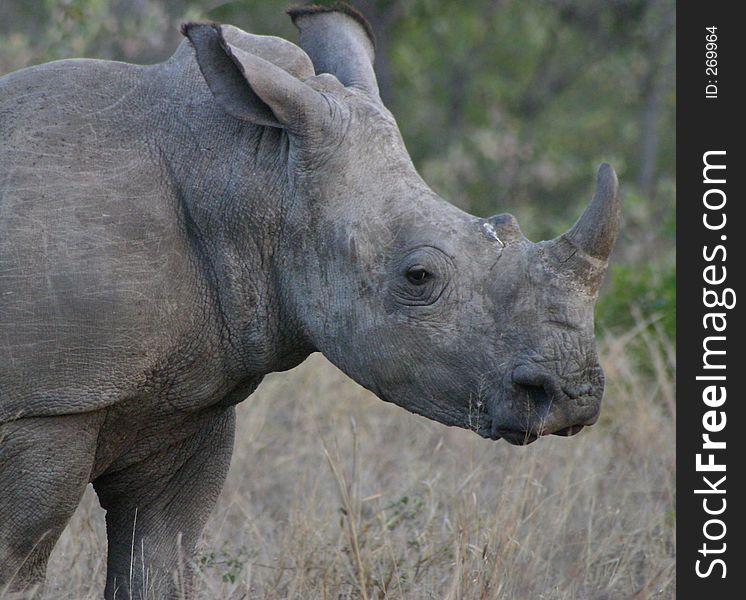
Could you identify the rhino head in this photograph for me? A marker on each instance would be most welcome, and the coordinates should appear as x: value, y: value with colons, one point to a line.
x: 455, y: 317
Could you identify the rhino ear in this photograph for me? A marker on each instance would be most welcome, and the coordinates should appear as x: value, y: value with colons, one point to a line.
x: 339, y: 41
x: 250, y: 88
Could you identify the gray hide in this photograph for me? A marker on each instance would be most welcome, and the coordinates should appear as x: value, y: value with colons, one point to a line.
x: 169, y: 234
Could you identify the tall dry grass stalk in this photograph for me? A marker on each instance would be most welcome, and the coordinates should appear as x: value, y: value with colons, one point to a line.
x: 334, y: 494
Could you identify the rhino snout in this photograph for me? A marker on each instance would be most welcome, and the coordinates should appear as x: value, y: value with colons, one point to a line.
x: 536, y: 403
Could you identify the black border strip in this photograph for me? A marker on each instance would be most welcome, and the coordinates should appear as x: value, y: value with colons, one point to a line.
x: 709, y: 124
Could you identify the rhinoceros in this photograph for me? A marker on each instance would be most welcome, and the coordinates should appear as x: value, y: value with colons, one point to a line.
x: 170, y: 234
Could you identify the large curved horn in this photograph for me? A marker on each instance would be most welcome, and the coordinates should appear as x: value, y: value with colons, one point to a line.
x: 339, y: 41
x: 595, y: 231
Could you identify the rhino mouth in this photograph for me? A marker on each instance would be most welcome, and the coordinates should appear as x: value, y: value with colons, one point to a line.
x: 568, y: 431
x: 518, y: 437
x: 525, y: 410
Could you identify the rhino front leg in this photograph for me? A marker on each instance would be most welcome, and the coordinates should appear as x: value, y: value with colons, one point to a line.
x: 157, y: 507
x: 45, y: 465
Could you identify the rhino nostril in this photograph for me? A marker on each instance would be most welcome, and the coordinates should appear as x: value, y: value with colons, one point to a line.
x: 537, y: 394
x: 540, y: 385
x: 527, y: 376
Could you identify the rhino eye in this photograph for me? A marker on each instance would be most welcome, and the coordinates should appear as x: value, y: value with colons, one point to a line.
x: 420, y: 277
x: 417, y: 275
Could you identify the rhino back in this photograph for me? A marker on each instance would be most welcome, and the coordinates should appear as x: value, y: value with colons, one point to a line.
x: 99, y: 278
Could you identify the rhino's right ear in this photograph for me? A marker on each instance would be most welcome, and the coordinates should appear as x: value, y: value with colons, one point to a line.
x: 250, y: 88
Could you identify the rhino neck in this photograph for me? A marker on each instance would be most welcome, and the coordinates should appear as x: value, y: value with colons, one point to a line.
x: 230, y: 181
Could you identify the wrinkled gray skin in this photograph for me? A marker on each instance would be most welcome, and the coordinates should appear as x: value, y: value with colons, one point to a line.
x: 170, y: 234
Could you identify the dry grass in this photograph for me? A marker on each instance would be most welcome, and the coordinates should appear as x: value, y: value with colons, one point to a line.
x: 335, y: 494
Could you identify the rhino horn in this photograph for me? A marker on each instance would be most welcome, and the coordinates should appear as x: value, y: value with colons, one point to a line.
x: 340, y: 42
x: 596, y: 230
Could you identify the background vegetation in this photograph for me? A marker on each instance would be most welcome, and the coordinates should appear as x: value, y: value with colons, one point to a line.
x: 506, y: 106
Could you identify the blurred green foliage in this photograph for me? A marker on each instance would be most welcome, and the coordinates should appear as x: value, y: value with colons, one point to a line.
x: 636, y: 290
x: 642, y: 287
x: 505, y: 105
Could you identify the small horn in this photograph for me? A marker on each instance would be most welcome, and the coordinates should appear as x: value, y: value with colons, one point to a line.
x: 596, y: 230
x: 339, y: 41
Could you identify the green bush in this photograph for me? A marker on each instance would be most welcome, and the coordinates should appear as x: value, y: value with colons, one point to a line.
x: 633, y: 291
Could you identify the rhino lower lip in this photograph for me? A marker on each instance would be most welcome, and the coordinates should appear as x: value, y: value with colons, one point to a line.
x: 517, y: 438
x: 568, y: 431
x: 523, y: 438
